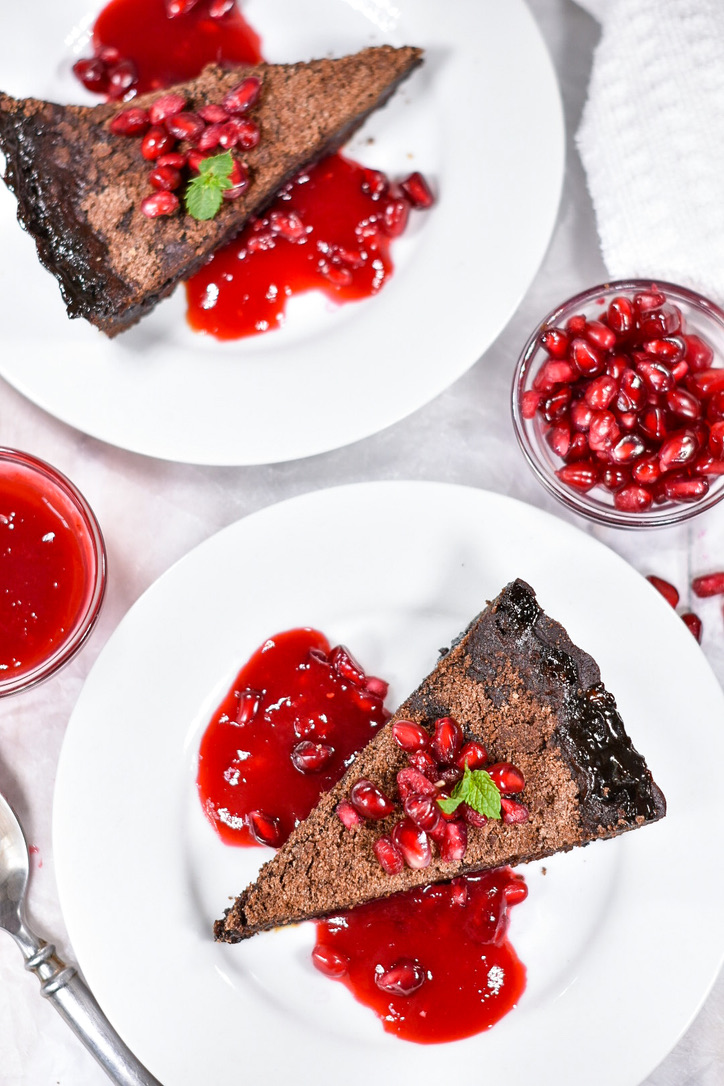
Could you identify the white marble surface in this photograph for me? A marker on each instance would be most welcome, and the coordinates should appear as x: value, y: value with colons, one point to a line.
x: 154, y: 512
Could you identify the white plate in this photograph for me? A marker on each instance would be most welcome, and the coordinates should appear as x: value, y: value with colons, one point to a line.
x: 620, y: 940
x: 482, y: 119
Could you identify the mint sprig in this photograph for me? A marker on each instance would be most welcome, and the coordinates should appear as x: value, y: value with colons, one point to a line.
x: 478, y: 790
x: 204, y: 193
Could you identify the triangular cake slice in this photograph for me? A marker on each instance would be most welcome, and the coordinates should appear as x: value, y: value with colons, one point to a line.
x: 515, y: 682
x: 79, y: 186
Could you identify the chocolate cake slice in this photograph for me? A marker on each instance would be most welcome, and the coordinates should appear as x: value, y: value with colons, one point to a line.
x: 515, y: 682
x: 79, y: 186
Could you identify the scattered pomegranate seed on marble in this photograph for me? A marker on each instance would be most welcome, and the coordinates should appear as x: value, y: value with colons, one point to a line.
x: 693, y: 622
x: 668, y: 591
x: 710, y: 584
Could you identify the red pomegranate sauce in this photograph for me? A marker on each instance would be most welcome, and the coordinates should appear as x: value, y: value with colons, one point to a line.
x: 167, y: 50
x: 323, y: 232
x: 285, y: 732
x: 434, y: 964
x: 43, y: 579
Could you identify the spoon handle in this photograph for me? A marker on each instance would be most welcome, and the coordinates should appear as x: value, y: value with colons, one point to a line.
x: 74, y: 1001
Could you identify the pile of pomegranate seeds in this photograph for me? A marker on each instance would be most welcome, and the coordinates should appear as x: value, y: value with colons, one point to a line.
x: 671, y: 595
x: 174, y: 139
x: 435, y: 764
x: 631, y: 402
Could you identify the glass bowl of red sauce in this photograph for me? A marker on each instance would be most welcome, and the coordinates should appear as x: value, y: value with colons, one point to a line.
x: 618, y: 403
x: 52, y: 570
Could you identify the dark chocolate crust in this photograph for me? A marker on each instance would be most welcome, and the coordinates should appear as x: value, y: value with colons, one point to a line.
x: 79, y: 187
x: 514, y: 680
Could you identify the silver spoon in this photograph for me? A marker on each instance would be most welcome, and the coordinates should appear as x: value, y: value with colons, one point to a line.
x: 58, y: 982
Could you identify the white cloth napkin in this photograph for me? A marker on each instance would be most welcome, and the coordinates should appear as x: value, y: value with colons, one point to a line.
x: 651, y: 140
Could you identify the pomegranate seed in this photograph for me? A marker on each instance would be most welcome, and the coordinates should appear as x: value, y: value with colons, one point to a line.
x: 447, y: 740
x: 620, y: 315
x: 556, y: 406
x: 603, y: 431
x: 239, y: 178
x: 209, y: 138
x: 693, y: 623
x: 310, y: 757
x: 616, y: 365
x: 455, y: 842
x: 243, y: 96
x: 109, y: 54
x: 174, y: 8
x: 716, y: 440
x: 587, y: 358
x: 647, y: 300
x: 513, y: 811
x: 417, y: 191
x: 529, y: 404
x: 340, y: 277
x: 121, y: 78
x: 213, y: 114
x: 471, y: 816
x: 581, y: 415
x: 670, y: 350
x: 347, y: 814
x: 710, y: 584
x: 395, y: 217
x: 706, y: 465
x: 685, y: 490
x: 423, y: 811
x: 614, y: 478
x: 655, y: 376
x: 329, y: 962
x: 627, y: 449
x: 165, y: 177
x: 515, y: 891
x: 410, y: 736
x: 665, y: 320
x: 413, y: 843
x: 93, y: 74
x: 707, y: 382
x: 631, y: 391
x: 176, y: 159
x: 556, y: 342
x: 402, y: 979
x: 219, y: 8
x: 228, y: 136
x: 346, y: 666
x: 667, y: 590
x: 473, y: 754
x: 424, y: 763
x: 450, y: 774
x: 377, y: 688
x: 157, y: 141
x: 459, y: 891
x: 600, y: 336
x: 194, y: 159
x: 248, y: 707
x: 553, y: 373
x: 652, y: 422
x: 600, y: 392
x: 247, y: 133
x: 507, y: 777
x: 374, y: 183
x: 633, y: 499
x: 288, y: 225
x: 581, y: 475
x: 185, y: 126
x: 627, y: 420
x: 165, y: 107
x: 369, y: 801
x: 159, y: 203
x: 559, y: 439
x: 579, y: 448
x: 388, y: 855
x: 684, y: 404
x: 411, y: 780
x: 264, y: 828
x: 699, y: 354
x: 130, y: 122
x: 678, y: 450
x: 577, y: 324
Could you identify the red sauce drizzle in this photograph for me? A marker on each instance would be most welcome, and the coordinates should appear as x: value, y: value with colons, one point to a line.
x: 43, y: 579
x: 167, y: 51
x: 302, y: 696
x: 342, y: 248
x: 456, y: 932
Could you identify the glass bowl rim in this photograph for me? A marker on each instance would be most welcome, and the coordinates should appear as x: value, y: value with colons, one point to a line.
x: 663, y: 516
x: 97, y: 578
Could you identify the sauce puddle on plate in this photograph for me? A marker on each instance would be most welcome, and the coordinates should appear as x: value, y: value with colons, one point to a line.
x: 434, y: 964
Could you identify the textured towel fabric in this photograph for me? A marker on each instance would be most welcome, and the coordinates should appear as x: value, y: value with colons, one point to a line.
x: 652, y: 140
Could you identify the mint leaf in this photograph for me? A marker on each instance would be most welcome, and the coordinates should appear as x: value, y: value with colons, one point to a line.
x: 478, y: 790
x: 204, y: 192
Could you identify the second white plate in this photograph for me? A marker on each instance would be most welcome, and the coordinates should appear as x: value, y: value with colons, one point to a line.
x: 618, y: 938
x: 482, y: 119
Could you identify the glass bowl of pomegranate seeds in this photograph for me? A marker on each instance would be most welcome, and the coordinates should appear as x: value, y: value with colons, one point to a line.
x: 618, y: 403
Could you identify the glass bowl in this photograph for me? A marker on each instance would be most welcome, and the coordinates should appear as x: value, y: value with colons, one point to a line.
x: 52, y: 570
x: 663, y: 417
